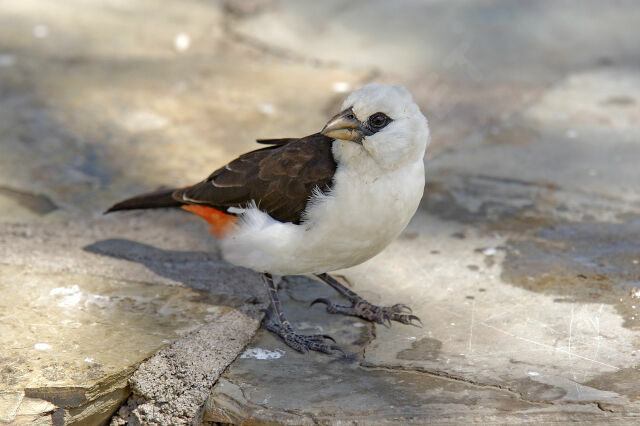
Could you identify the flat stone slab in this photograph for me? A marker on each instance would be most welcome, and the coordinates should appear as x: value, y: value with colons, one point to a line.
x: 92, y: 303
x: 523, y: 261
x: 270, y: 383
x: 99, y: 101
x: 67, y: 337
x: 523, y: 264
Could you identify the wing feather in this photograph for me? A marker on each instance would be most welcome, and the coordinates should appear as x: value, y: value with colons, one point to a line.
x: 280, y: 178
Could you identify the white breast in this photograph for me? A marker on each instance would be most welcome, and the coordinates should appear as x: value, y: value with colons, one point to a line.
x: 366, y: 209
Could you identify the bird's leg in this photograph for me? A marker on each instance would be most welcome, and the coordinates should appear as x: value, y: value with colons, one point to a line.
x: 282, y: 327
x: 363, y: 309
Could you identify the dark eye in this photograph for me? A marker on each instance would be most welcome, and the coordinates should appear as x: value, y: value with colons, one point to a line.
x: 379, y: 120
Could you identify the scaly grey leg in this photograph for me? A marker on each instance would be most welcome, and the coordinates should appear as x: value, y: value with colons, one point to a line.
x: 282, y: 327
x: 363, y: 309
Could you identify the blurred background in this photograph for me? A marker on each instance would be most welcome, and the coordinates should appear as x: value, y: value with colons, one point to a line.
x: 523, y: 260
x: 103, y: 98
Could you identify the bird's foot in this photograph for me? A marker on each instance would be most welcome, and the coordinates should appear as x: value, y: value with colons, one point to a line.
x: 300, y: 342
x: 379, y: 314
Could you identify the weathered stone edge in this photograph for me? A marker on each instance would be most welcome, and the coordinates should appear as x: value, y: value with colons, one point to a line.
x: 173, y: 385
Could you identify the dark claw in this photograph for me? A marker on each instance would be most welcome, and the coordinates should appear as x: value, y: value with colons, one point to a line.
x: 326, y: 336
x: 321, y: 300
x: 299, y: 342
x: 381, y: 315
x: 386, y: 321
x: 413, y: 317
x: 402, y: 307
x: 320, y: 337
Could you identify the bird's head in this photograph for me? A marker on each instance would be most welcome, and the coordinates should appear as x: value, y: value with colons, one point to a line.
x: 385, y: 122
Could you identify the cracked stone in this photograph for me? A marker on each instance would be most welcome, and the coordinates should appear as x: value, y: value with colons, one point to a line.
x: 67, y: 337
x: 311, y: 388
x: 545, y: 318
x: 522, y: 262
x: 173, y: 385
x: 102, y: 108
x: 93, y: 303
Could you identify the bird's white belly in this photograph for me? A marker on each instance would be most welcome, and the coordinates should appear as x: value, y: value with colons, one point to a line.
x: 360, y: 217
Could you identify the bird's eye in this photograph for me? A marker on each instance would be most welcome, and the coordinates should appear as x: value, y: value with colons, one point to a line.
x: 379, y: 120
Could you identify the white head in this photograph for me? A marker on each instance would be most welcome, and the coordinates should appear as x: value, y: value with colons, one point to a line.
x: 385, y: 122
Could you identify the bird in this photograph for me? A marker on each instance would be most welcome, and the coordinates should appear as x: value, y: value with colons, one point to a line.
x: 317, y: 204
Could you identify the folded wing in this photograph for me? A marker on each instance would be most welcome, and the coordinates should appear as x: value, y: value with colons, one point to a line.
x: 280, y: 178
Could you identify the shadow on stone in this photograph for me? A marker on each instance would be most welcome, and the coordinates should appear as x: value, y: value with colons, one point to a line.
x: 217, y: 281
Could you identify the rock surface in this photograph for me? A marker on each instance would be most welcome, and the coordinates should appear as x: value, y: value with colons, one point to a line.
x: 523, y: 261
x: 173, y: 385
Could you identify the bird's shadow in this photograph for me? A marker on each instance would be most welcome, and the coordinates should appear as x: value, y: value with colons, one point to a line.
x: 220, y: 283
x: 215, y: 280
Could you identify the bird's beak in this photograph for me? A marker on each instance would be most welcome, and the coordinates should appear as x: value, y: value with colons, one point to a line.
x: 344, y: 126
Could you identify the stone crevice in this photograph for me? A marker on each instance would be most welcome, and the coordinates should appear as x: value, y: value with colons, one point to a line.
x: 449, y: 376
x: 460, y: 379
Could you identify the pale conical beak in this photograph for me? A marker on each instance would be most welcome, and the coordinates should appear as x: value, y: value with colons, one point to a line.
x: 344, y: 126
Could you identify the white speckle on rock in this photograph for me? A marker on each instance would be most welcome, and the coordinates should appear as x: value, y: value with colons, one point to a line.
x: 181, y: 42
x: 358, y: 324
x: 42, y: 346
x: 69, y: 296
x: 7, y: 60
x: 533, y: 373
x: 40, y: 31
x: 98, y: 300
x: 87, y: 359
x: 64, y: 291
x: 267, y: 109
x: 412, y: 338
x: 341, y: 87
x: 489, y: 251
x: 262, y: 354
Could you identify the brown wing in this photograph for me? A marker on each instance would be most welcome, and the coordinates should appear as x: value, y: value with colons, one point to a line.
x: 280, y: 179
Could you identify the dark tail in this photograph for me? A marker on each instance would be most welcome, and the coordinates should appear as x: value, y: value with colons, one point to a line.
x: 151, y: 200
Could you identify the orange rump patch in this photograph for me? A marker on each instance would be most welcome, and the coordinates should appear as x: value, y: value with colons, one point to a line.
x: 221, y: 223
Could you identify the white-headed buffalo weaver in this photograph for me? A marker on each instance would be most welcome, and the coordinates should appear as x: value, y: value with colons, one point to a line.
x: 316, y: 204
